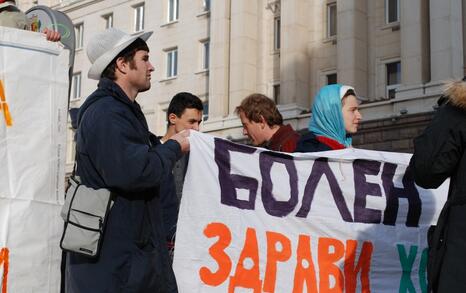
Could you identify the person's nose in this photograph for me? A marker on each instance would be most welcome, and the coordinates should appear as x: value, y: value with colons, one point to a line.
x: 151, y: 67
x: 245, y: 132
x: 196, y: 126
x: 358, y: 115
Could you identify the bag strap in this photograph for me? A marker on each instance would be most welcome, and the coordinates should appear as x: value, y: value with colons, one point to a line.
x: 73, y: 173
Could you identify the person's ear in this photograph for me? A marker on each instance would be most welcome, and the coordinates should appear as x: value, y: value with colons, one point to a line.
x: 172, y: 118
x: 263, y: 122
x: 121, y: 65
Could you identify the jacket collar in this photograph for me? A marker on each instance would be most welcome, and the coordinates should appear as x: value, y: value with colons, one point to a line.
x: 105, y: 88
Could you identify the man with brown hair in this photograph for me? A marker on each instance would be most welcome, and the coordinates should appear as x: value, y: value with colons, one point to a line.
x: 115, y: 150
x: 263, y: 124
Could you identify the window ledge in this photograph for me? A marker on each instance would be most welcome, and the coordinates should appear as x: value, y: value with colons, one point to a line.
x: 275, y: 52
x: 78, y: 49
x: 202, y: 71
x: 394, y: 26
x: 169, y: 23
x: 169, y: 78
x: 332, y: 40
x: 203, y: 13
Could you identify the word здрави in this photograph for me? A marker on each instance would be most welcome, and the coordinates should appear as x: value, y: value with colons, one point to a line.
x: 329, y: 251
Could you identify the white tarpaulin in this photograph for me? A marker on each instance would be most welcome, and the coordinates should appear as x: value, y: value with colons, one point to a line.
x: 344, y: 221
x: 33, y: 114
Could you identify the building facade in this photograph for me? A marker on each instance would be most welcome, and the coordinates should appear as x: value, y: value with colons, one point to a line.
x: 395, y: 53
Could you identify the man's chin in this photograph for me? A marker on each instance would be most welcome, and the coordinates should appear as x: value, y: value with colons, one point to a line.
x: 144, y: 89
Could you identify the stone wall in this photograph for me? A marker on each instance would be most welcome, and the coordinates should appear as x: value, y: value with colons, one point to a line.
x: 393, y: 134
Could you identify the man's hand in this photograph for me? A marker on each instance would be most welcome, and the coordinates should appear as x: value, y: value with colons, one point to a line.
x: 52, y: 35
x: 182, y: 139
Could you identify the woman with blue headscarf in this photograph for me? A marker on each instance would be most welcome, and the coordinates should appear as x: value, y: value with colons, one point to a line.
x: 335, y: 117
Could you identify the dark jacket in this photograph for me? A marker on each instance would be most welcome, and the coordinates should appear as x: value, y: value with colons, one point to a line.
x: 170, y: 206
x: 115, y: 150
x: 309, y: 144
x: 284, y: 140
x: 439, y: 153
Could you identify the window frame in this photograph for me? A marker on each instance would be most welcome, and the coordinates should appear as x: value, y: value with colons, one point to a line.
x: 76, y: 86
x: 108, y: 20
x: 276, y: 93
x: 172, y: 14
x: 276, y: 33
x: 139, y: 17
x: 332, y: 20
x: 206, y: 5
x: 329, y: 75
x: 387, y: 12
x: 172, y: 66
x: 205, y: 60
x: 392, y: 86
x: 79, y: 33
x: 205, y: 110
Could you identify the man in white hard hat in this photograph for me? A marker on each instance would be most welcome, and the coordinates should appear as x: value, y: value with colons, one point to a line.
x: 12, y: 16
x: 115, y: 150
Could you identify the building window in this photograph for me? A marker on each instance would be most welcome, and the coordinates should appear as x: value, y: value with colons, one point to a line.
x: 331, y: 20
x: 393, y: 78
x: 76, y: 86
x: 172, y: 63
x: 276, y: 33
x: 172, y: 10
x: 79, y: 33
x: 332, y: 78
x: 205, y: 110
x: 206, y: 5
x: 276, y: 93
x: 139, y: 18
x: 108, y: 20
x: 392, y: 11
x: 205, y: 54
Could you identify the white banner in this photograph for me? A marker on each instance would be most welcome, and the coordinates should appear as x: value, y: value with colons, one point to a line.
x: 33, y: 114
x: 342, y: 221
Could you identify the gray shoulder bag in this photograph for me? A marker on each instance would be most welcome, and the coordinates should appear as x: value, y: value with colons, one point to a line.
x: 84, y: 212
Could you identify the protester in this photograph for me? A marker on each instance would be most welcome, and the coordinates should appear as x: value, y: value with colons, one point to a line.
x: 439, y: 153
x: 115, y: 150
x: 184, y: 112
x: 263, y: 124
x: 335, y: 117
x: 12, y: 16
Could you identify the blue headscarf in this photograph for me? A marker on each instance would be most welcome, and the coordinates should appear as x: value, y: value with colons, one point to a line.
x: 327, y: 117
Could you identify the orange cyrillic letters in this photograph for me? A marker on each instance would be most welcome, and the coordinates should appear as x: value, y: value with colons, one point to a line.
x: 274, y: 256
x: 247, y: 277
x: 4, y: 259
x: 217, y: 251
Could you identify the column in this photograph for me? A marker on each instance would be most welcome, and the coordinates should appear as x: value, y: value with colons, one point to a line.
x: 294, y: 57
x: 414, y: 42
x: 352, y: 44
x: 446, y: 40
x: 219, y: 67
x: 244, y: 51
